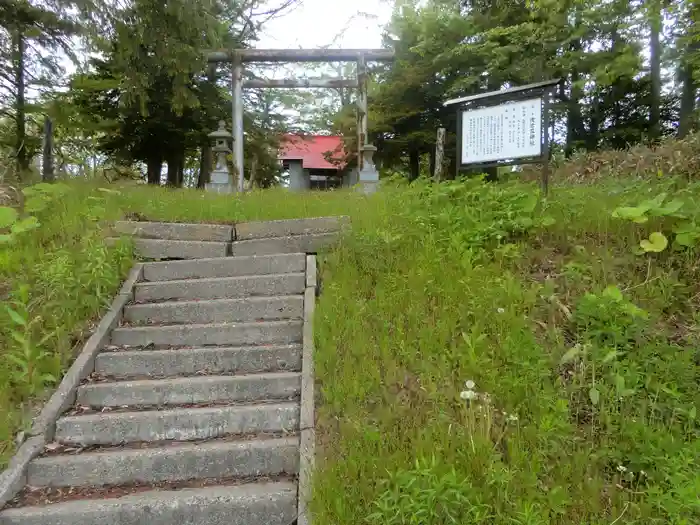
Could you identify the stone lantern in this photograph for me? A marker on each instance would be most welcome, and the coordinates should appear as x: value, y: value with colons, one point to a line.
x: 369, y: 176
x: 221, y: 179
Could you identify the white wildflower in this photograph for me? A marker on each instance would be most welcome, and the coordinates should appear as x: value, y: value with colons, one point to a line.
x: 470, y: 384
x: 512, y: 418
x: 621, y: 468
x: 468, y: 395
x: 501, y: 310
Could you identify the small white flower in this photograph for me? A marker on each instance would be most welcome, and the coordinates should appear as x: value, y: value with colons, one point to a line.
x: 643, y: 473
x: 468, y: 395
x: 501, y: 310
x: 512, y: 418
x: 620, y: 468
x: 470, y: 384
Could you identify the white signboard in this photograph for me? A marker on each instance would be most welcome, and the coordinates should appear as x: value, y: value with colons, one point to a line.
x: 509, y: 131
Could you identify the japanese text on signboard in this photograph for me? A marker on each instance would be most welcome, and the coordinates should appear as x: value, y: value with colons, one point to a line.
x: 504, y: 132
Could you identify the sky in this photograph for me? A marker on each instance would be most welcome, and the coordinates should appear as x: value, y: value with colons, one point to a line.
x: 333, y: 23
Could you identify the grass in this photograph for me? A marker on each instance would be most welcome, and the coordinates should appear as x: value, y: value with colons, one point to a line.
x: 582, y: 349
x: 584, y: 357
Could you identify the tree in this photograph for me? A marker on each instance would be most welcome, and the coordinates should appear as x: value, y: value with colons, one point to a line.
x: 35, y: 34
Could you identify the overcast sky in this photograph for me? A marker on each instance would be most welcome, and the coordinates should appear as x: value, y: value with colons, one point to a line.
x: 335, y: 23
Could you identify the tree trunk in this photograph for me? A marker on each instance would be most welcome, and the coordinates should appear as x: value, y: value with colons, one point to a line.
x: 22, y: 156
x: 253, y: 171
x: 47, y: 168
x: 413, y: 163
x: 204, y: 165
x: 181, y: 171
x: 155, y: 164
x: 688, y: 96
x: 593, y: 138
x: 172, y: 171
x: 655, y: 71
x: 574, y: 125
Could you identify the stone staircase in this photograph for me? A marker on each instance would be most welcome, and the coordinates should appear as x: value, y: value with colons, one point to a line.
x: 192, y: 412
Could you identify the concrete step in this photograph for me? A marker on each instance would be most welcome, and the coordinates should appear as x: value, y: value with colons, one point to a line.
x: 237, y: 334
x: 252, y: 504
x: 217, y: 360
x: 275, y: 245
x: 216, y: 310
x: 191, y: 390
x: 180, y: 424
x: 180, y: 462
x: 175, y: 231
x: 221, y: 287
x: 289, y: 227
x: 164, y: 249
x: 225, y: 267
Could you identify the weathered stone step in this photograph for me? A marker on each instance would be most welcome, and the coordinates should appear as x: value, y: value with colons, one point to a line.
x: 175, y: 231
x: 191, y: 390
x: 274, y: 245
x: 289, y: 227
x: 252, y: 504
x: 221, y: 287
x: 225, y: 267
x: 166, y: 249
x: 178, y: 462
x: 186, y: 362
x: 216, y: 310
x: 181, y: 424
x: 235, y: 334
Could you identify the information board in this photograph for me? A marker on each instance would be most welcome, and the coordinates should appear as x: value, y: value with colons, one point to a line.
x: 508, y: 131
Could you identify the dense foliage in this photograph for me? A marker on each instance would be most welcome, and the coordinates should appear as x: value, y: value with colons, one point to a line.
x: 629, y: 69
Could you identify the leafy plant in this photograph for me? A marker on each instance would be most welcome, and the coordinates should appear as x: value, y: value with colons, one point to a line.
x: 608, y: 320
x: 656, y: 207
x: 13, y: 225
x: 427, y: 493
x: 657, y: 242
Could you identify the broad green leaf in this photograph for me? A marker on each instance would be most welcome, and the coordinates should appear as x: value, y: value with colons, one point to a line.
x: 635, y: 214
x: 15, y: 317
x: 619, y: 383
x: 686, y: 239
x: 657, y: 242
x: 654, y: 203
x: 570, y: 355
x: 26, y: 224
x: 669, y: 208
x: 594, y: 395
x: 613, y: 292
x: 8, y: 216
x: 6, y: 238
x: 610, y: 356
x: 35, y: 204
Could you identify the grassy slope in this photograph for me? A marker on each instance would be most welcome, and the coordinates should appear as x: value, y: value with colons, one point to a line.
x: 424, y: 295
x: 464, y: 283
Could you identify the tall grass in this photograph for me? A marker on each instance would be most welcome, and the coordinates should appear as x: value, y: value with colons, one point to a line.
x: 54, y: 282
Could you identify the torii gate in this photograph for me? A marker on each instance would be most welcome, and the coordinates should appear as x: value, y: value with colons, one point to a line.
x: 238, y: 57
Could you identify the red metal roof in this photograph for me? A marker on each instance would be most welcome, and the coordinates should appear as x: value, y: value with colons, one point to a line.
x: 313, y: 151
